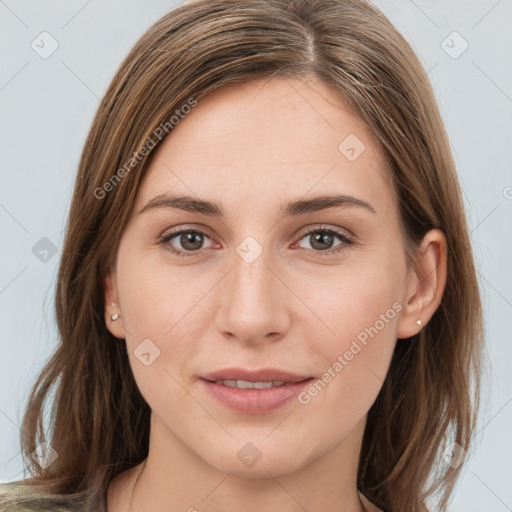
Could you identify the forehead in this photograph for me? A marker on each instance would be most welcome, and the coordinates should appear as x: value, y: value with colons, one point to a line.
x: 269, y: 139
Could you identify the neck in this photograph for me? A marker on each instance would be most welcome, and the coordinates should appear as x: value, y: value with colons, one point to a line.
x: 173, y: 478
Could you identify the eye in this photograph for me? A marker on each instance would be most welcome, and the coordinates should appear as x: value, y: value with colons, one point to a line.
x: 321, y: 240
x: 191, y: 241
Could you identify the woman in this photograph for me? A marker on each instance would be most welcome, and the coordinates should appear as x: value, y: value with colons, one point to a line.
x: 274, y: 306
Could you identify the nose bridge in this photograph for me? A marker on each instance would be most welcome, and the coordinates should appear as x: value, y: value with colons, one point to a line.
x: 251, y: 276
x: 251, y: 304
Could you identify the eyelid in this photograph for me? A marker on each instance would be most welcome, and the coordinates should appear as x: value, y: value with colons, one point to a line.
x: 188, y: 227
x: 327, y: 227
x: 300, y: 233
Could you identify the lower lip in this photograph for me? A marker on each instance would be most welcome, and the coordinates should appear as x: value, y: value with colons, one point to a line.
x: 255, y: 401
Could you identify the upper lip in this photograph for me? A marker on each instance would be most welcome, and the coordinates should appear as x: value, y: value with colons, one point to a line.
x: 262, y: 375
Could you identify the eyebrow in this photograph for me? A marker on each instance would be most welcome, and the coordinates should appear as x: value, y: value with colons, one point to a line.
x: 293, y: 208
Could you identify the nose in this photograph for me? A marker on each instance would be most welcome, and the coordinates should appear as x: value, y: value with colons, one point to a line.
x: 253, y: 302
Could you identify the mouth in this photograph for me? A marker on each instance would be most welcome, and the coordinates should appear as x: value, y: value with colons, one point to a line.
x: 262, y: 376
x: 254, y: 392
x: 245, y: 384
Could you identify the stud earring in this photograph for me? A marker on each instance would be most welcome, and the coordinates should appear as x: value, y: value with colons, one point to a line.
x: 114, y: 317
x: 418, y: 322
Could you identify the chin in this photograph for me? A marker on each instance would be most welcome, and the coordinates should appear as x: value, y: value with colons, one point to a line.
x: 256, y: 459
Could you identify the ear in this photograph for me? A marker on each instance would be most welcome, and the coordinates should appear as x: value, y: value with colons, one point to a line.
x: 112, y: 307
x: 425, y: 285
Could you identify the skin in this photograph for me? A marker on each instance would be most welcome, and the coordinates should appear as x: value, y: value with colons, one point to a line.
x: 250, y: 148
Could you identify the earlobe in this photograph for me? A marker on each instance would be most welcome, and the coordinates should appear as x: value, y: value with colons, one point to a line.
x: 425, y: 285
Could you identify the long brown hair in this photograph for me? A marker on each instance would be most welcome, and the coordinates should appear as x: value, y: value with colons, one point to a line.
x: 99, y: 420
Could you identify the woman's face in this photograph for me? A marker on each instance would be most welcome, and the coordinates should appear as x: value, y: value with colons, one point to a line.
x: 269, y: 274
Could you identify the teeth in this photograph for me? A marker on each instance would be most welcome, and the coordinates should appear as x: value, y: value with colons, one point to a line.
x: 243, y: 384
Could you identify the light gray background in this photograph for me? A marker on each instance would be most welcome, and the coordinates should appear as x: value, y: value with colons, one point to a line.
x: 47, y: 106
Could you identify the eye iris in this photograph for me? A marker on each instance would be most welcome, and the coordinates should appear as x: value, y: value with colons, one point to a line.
x: 322, y: 237
x: 196, y: 238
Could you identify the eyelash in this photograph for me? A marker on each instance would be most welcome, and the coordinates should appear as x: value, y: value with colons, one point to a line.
x: 337, y: 250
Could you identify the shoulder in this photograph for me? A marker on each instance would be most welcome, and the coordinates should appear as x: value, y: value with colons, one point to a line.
x: 37, y: 495
x: 16, y: 497
x: 24, y: 497
x: 14, y: 490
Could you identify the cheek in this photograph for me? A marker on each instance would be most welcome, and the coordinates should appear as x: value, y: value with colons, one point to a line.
x: 359, y: 312
x: 355, y: 298
x: 162, y: 315
x: 153, y: 296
